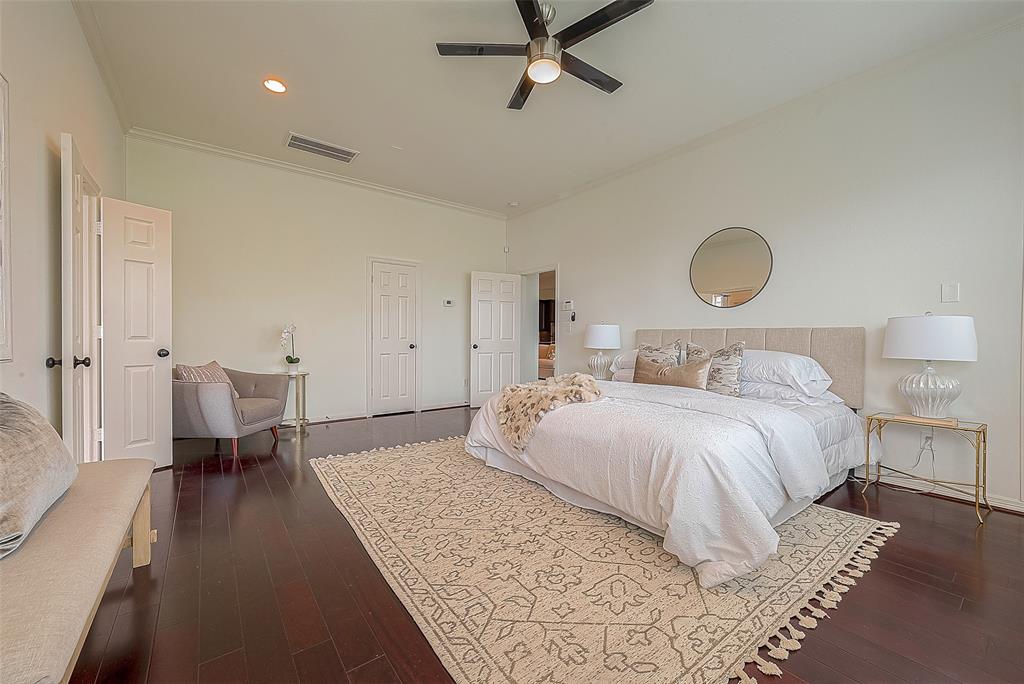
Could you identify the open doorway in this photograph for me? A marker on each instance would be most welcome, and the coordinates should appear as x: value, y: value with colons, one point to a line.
x: 539, y: 324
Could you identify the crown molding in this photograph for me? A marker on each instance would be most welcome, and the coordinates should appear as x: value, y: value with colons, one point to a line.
x: 90, y: 25
x: 146, y: 135
x: 706, y: 139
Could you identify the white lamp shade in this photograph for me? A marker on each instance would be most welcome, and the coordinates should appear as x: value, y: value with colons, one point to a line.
x: 931, y: 338
x: 602, y: 336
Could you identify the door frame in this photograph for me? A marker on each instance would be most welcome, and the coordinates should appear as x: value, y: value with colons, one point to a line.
x: 370, y: 261
x: 558, y: 308
x: 92, y: 394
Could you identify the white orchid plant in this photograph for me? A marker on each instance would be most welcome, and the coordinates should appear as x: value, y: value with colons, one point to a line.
x: 288, y: 339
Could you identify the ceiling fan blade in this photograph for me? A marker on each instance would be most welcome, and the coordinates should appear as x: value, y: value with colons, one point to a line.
x: 530, y: 9
x: 522, y: 92
x: 583, y: 71
x: 599, y: 21
x: 474, y: 49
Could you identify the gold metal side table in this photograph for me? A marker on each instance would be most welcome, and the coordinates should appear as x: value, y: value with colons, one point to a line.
x: 300, y: 421
x: 976, y: 435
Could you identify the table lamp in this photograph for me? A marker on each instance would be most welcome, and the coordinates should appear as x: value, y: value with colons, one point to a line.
x: 601, y: 336
x: 930, y: 338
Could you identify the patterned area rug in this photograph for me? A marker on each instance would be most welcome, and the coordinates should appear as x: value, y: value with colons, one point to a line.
x: 511, y: 584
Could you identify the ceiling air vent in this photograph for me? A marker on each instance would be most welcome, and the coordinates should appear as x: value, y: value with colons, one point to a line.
x: 324, y: 149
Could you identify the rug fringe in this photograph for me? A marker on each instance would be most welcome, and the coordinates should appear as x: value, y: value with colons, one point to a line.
x: 382, y: 449
x: 787, y: 639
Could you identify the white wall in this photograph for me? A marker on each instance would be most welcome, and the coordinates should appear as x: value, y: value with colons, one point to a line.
x: 257, y: 247
x: 870, y: 193
x: 55, y: 87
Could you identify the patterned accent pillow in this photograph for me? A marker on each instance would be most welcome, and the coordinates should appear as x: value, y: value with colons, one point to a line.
x: 211, y: 372
x: 671, y: 353
x: 649, y: 360
x: 724, y: 376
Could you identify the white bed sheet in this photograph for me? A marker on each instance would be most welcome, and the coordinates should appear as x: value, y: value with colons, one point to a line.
x: 724, y: 528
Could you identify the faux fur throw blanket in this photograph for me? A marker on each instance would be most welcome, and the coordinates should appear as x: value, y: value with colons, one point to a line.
x: 521, y: 407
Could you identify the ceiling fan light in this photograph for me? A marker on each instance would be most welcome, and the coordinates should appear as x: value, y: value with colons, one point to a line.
x: 275, y: 85
x: 543, y: 70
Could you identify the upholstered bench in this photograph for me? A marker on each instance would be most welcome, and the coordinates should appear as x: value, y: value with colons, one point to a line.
x: 51, y: 586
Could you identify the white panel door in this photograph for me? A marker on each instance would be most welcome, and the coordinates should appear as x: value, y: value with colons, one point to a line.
x: 80, y: 386
x: 394, y: 313
x: 494, y: 332
x: 136, y: 332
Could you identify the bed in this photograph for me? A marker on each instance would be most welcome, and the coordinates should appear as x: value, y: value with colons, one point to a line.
x: 711, y: 474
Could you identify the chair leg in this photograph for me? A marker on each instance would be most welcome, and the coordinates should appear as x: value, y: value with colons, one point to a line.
x: 273, y: 431
x: 234, y: 447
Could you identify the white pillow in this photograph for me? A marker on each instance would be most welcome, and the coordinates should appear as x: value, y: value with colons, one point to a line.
x: 774, y: 391
x: 799, y: 372
x: 623, y: 361
x: 623, y: 375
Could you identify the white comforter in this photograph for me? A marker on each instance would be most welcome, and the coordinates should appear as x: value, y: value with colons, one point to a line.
x: 711, y: 473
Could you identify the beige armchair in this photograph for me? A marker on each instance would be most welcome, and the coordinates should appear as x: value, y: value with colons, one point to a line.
x: 211, y: 409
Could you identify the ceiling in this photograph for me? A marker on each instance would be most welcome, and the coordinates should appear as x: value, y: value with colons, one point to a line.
x: 366, y: 75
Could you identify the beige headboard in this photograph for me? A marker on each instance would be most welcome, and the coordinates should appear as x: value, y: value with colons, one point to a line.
x: 840, y: 351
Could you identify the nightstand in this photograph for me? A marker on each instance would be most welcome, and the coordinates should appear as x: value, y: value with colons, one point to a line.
x: 976, y: 434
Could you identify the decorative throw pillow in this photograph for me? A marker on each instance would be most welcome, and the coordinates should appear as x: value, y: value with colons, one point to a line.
x: 649, y: 360
x: 724, y: 376
x: 35, y: 470
x: 211, y: 372
x: 693, y: 374
x: 670, y: 353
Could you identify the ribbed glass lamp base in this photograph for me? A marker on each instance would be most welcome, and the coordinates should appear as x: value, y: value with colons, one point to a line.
x: 929, y: 393
x: 598, y: 365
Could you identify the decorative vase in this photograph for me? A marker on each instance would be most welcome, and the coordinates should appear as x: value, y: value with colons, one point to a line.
x: 293, y: 368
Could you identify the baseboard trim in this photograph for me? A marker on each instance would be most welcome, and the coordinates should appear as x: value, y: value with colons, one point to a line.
x: 999, y: 503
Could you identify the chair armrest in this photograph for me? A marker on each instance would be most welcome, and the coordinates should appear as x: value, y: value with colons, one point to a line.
x: 204, y: 409
x: 261, y: 385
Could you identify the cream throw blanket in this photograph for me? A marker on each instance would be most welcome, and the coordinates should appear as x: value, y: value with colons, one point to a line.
x: 521, y: 407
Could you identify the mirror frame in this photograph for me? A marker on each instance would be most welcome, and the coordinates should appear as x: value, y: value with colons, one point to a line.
x: 771, y: 267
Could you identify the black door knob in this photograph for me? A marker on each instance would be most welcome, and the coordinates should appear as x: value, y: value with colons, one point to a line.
x: 51, y: 362
x: 475, y: 347
x: 412, y: 346
x: 81, y: 362
x: 163, y: 353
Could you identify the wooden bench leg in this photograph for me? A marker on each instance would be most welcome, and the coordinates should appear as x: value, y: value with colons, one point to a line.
x: 141, y: 535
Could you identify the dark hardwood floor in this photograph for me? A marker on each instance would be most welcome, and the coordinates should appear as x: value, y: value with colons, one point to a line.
x: 257, y: 577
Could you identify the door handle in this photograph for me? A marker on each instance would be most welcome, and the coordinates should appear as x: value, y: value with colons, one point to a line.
x: 412, y: 346
x: 51, y: 362
x: 163, y: 353
x: 475, y: 347
x: 81, y: 362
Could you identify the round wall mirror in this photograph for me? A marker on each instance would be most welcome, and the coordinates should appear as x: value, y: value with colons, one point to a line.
x: 731, y: 267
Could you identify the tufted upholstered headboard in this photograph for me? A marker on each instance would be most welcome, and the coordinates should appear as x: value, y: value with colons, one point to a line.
x: 840, y: 351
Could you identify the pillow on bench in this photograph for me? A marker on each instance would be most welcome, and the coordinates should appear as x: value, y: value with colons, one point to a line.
x: 35, y: 470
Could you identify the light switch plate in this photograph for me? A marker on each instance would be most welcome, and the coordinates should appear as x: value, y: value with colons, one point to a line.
x: 568, y: 305
x: 950, y: 292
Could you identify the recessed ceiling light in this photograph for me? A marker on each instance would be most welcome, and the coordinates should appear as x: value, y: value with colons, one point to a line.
x: 274, y: 85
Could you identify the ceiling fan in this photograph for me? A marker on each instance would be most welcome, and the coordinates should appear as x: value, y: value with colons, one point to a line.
x: 546, y: 54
